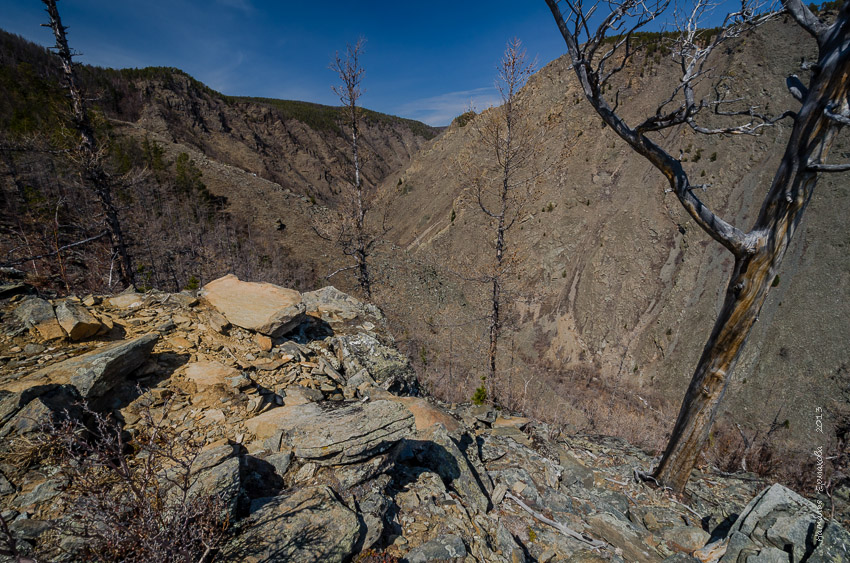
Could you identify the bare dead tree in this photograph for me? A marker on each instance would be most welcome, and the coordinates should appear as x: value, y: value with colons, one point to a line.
x: 598, y: 53
x: 350, y: 229
x: 88, y: 152
x: 503, y: 185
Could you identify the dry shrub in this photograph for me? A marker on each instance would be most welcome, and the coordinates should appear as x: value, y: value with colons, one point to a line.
x: 730, y: 450
x: 375, y: 556
x: 130, y: 500
x: 582, y: 399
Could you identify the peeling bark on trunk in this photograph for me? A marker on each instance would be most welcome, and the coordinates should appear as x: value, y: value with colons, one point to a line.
x: 759, y: 252
x: 754, y: 272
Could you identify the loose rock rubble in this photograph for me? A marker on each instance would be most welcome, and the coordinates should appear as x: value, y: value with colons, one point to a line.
x: 320, y: 449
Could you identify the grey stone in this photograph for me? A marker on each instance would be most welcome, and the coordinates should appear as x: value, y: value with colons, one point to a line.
x: 834, y: 546
x: 38, y: 314
x: 775, y: 499
x: 33, y: 349
x: 331, y: 435
x: 36, y: 407
x: 6, y: 488
x: 508, y: 545
x: 792, y: 531
x: 333, y: 305
x: 211, y: 457
x: 738, y: 544
x: 308, y: 525
x: 443, y: 548
x: 373, y: 508
x: 356, y: 473
x: 96, y: 373
x: 680, y: 558
x: 769, y: 555
x: 483, y: 413
x: 40, y: 494
x: 388, y: 367
x: 685, y: 539
x: 29, y: 528
x: 436, y: 450
x: 16, y: 288
x: 280, y: 461
x: 622, y: 534
x: 777, y: 518
x: 183, y: 299
x: 659, y: 518
x: 220, y: 482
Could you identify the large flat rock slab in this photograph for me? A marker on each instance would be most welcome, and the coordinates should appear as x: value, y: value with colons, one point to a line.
x: 330, y: 435
x: 94, y: 374
x: 308, y: 525
x: 262, y: 307
x: 210, y: 373
x: 331, y: 304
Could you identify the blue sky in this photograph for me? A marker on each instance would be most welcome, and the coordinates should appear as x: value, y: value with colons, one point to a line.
x: 424, y: 60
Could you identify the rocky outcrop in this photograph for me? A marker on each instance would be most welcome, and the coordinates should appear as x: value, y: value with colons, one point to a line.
x: 310, y: 458
x: 98, y: 372
x: 367, y: 360
x: 262, y: 307
x: 309, y: 525
x: 38, y: 315
x: 780, y: 525
x: 76, y: 320
x: 334, y: 436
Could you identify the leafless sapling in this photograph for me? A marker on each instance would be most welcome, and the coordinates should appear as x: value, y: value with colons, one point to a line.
x: 601, y: 44
x: 351, y: 228
x: 504, y: 183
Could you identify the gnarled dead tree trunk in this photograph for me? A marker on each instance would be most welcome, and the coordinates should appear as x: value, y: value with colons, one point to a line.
x: 87, y: 152
x: 758, y: 252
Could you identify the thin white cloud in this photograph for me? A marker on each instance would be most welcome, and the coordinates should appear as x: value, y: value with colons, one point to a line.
x: 223, y: 76
x: 440, y: 110
x: 242, y: 5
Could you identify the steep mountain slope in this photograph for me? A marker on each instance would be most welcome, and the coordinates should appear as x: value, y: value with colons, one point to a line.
x: 208, y: 183
x: 295, y: 144
x: 617, y: 288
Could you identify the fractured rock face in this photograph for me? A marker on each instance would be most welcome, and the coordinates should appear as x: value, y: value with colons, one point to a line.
x: 386, y: 366
x: 335, y: 436
x: 96, y: 373
x: 777, y: 522
x: 308, y: 525
x: 38, y: 314
x: 262, y: 307
x: 76, y: 320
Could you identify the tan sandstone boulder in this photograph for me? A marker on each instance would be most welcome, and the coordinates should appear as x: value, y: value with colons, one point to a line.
x: 262, y: 307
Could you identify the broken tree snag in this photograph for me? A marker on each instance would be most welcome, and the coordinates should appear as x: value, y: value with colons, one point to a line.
x: 88, y: 153
x: 758, y: 252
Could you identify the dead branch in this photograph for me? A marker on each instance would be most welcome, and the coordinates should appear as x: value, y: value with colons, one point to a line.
x: 57, y: 251
x: 567, y: 531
